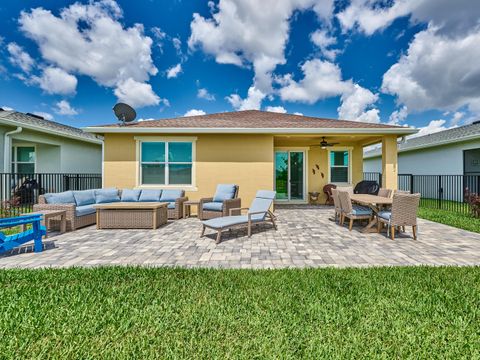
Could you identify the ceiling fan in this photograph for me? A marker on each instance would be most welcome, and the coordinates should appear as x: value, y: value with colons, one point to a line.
x: 324, y: 143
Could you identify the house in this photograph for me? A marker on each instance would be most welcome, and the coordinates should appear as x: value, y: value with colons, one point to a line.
x: 254, y: 149
x: 450, y: 152
x: 32, y: 144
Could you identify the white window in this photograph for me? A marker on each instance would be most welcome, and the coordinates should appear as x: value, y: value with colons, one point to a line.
x: 339, y: 163
x: 23, y: 159
x: 166, y: 162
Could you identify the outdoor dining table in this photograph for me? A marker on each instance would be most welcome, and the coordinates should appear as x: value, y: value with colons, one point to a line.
x: 374, y: 202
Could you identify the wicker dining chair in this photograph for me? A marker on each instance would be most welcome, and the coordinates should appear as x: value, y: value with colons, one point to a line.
x: 403, y: 213
x: 337, y: 205
x: 352, y: 212
x: 327, y: 190
x: 383, y: 192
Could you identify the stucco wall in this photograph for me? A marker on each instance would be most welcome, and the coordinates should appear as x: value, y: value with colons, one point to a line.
x: 60, y: 154
x: 440, y: 160
x: 3, y: 130
x: 246, y: 160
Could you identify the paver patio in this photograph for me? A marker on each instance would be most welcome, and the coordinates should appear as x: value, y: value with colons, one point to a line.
x: 306, y: 237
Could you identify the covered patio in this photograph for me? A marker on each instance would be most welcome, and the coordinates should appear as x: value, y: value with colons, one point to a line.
x: 306, y: 237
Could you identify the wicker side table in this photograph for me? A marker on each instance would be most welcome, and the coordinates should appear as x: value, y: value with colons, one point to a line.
x: 187, y: 207
x: 47, y: 216
x: 135, y: 215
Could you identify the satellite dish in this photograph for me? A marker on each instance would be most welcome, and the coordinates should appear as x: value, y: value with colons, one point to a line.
x: 124, y: 113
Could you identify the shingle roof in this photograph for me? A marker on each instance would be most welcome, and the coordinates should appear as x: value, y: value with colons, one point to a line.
x: 46, y: 125
x: 251, y: 119
x: 457, y: 134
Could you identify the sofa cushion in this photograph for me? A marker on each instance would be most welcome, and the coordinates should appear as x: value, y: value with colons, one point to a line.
x: 149, y: 195
x: 361, y: 210
x: 103, y: 196
x: 170, y: 195
x: 224, y: 192
x: 129, y: 195
x: 213, y: 206
x: 84, y: 197
x: 171, y: 205
x: 84, y: 210
x: 65, y: 197
x: 386, y: 215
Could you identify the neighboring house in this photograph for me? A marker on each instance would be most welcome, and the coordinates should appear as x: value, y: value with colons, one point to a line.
x: 254, y: 149
x: 31, y: 144
x: 450, y: 152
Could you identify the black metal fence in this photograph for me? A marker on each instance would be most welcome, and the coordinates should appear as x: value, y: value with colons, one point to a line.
x: 447, y: 192
x: 19, y: 192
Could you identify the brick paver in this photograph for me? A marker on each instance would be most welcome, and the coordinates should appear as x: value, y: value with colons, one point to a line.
x: 306, y: 237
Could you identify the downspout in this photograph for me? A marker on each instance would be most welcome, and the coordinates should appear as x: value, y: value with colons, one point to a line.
x: 7, y: 148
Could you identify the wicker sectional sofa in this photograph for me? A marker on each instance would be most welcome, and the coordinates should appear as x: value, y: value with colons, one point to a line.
x: 79, y: 205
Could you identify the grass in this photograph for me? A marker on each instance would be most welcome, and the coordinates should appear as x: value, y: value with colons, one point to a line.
x: 455, y: 219
x: 118, y: 313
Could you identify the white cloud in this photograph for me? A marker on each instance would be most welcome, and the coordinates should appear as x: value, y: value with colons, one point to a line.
x: 247, y: 33
x: 20, y: 57
x: 355, y: 103
x: 432, y: 127
x: 136, y: 94
x: 437, y: 72
x: 88, y: 39
x: 54, y: 80
x: 298, y: 113
x: 203, y: 93
x: 141, y: 119
x: 63, y: 107
x: 174, y: 71
x: 277, y: 109
x: 194, y: 112
x: 321, y: 80
x: 457, y: 117
x: 323, y: 40
x: 453, y: 17
x: 45, y: 115
x: 253, y: 100
x: 398, y: 116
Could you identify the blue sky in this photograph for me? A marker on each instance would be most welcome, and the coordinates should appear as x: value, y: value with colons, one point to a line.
x: 407, y: 62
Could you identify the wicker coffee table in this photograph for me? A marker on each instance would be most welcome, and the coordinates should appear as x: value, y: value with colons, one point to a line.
x: 131, y: 215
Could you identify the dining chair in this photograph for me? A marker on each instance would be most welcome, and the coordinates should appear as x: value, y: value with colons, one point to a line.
x: 383, y: 192
x: 352, y: 212
x: 403, y: 213
x: 337, y: 205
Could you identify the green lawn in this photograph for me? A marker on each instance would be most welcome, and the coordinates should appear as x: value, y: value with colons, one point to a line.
x: 421, y: 312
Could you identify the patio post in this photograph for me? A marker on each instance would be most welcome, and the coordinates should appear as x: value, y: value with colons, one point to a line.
x: 389, y: 162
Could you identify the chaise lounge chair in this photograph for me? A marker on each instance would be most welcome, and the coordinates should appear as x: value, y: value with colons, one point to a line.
x: 259, y: 212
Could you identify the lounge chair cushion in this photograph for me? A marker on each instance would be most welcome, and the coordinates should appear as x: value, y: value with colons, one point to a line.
x: 84, y: 197
x: 170, y: 195
x: 103, y: 196
x: 226, y: 221
x: 84, y: 210
x: 386, y: 215
x: 171, y: 205
x: 65, y: 197
x: 129, y: 195
x: 224, y: 192
x: 213, y: 206
x: 361, y: 210
x: 149, y: 195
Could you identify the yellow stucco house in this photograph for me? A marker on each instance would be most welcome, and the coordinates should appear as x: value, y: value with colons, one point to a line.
x: 254, y: 149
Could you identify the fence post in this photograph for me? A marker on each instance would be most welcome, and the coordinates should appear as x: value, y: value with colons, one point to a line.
x: 440, y: 191
x: 411, y: 183
x: 66, y: 180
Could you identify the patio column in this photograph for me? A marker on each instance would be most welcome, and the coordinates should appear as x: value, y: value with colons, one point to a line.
x: 389, y: 162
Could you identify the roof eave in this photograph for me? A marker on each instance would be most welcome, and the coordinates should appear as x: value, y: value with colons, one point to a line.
x: 49, y: 131
x: 374, y: 131
x: 426, y: 146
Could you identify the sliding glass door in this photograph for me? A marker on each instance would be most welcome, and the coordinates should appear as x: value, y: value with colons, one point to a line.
x: 290, y: 175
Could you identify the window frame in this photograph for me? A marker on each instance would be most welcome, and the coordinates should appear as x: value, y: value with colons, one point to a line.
x: 349, y: 166
x: 166, y: 140
x: 15, y: 162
